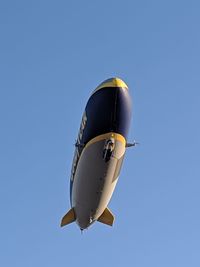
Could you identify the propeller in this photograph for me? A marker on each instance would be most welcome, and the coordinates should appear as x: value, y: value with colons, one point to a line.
x: 132, y: 144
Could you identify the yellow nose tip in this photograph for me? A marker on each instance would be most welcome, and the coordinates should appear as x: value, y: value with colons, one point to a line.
x: 112, y: 82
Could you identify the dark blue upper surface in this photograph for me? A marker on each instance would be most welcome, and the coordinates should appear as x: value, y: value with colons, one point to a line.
x: 107, y: 110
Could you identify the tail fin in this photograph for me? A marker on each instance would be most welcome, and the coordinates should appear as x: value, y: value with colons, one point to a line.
x: 68, y: 218
x: 107, y: 217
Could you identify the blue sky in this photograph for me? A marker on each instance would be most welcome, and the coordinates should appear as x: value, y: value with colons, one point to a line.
x: 52, y: 55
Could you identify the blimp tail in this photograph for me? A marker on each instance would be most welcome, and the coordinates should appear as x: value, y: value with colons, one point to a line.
x: 107, y: 217
x: 68, y: 218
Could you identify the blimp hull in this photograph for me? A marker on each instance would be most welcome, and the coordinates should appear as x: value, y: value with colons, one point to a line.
x: 96, y: 178
x: 99, y: 152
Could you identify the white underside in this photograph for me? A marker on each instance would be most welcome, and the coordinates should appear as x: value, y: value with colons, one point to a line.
x: 95, y: 181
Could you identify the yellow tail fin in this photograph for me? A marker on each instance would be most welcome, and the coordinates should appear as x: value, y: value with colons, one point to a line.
x: 68, y: 218
x: 107, y: 217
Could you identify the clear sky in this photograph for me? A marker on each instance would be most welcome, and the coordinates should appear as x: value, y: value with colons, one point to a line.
x: 52, y: 55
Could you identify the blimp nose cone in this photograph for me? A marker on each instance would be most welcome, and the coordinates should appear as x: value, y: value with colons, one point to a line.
x: 112, y: 82
x: 115, y: 82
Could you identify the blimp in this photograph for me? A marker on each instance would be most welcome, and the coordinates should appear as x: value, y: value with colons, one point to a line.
x: 99, y: 152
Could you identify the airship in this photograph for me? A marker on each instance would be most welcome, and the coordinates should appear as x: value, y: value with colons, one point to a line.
x: 99, y: 153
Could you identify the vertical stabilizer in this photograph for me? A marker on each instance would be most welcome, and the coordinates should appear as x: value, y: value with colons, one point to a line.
x: 68, y: 218
x: 107, y: 217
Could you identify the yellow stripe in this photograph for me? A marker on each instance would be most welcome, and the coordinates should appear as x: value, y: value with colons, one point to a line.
x: 115, y: 136
x: 113, y: 82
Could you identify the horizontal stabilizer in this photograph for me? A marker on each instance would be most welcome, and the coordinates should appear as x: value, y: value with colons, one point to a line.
x: 68, y: 218
x: 107, y: 217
